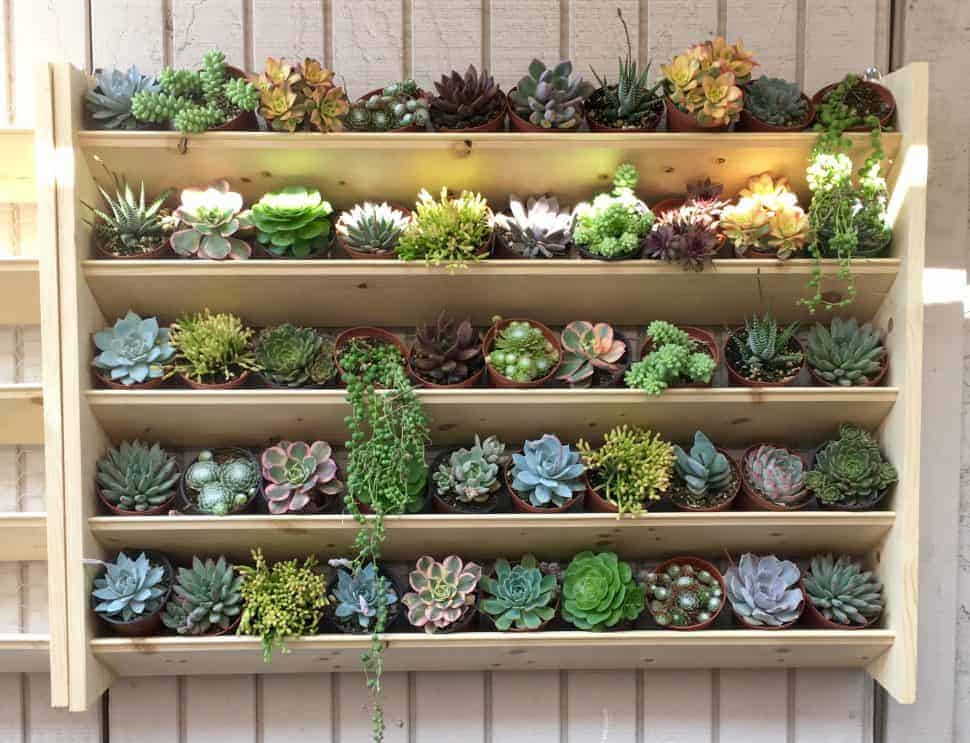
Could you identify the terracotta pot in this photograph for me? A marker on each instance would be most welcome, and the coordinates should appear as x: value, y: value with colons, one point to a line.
x: 245, y: 121
x: 498, y: 501
x: 750, y: 500
x: 812, y: 617
x: 874, y: 382
x: 698, y: 564
x: 377, y: 334
x: 596, y: 503
x: 700, y: 335
x: 518, y: 124
x: 750, y: 123
x: 163, y: 250
x: 739, y: 380
x: 668, y: 205
x: 596, y: 126
x: 363, y: 255
x: 771, y: 628
x: 112, y: 385
x: 395, y: 612
x: 522, y: 505
x: 495, y: 124
x: 883, y: 92
x: 500, y: 380
x: 723, y: 505
x: 400, y: 129
x: 230, y: 385
x: 187, y: 504
x: 601, y: 378
x: 678, y: 121
x: 150, y: 624
x: 156, y: 511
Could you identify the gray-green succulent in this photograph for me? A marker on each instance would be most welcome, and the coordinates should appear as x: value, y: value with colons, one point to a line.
x: 548, y: 473
x: 129, y: 589
x: 472, y: 475
x: 134, y: 350
x: 536, y: 228
x: 519, y: 595
x: 207, y: 597
x: 705, y: 472
x: 776, y: 102
x: 136, y: 477
x: 551, y: 98
x: 220, y: 485
x: 356, y: 595
x: 842, y: 591
x: 846, y: 353
x: 764, y: 591
x: 372, y: 228
x: 850, y: 470
x: 108, y: 102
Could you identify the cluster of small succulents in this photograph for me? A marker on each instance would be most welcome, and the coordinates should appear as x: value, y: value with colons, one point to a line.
x: 614, y: 224
x: 370, y: 356
x: 536, y: 228
x: 291, y: 356
x: 473, y: 475
x: 842, y: 591
x: 846, y: 353
x: 850, y: 471
x: 446, y: 351
x: 764, y: 351
x: 521, y: 352
x: 207, y: 597
x: 133, y: 350
x: 704, y: 476
x: 588, y: 349
x: 219, y: 483
x: 395, y: 106
x: 131, y: 589
x: 293, y: 222
x: 672, y: 356
x: 706, y: 81
x: 764, y: 591
x: 466, y: 101
x: 108, y: 102
x: 356, y: 594
x: 372, y: 228
x: 682, y: 595
x: 776, y: 474
x: 450, y: 230
x: 520, y: 596
x: 776, y: 101
x: 299, y: 475
x: 212, y: 217
x: 212, y: 348
x: 442, y: 593
x: 690, y: 234
x: 300, y: 95
x: 599, y: 592
x: 135, y: 477
x: 766, y: 219
x: 550, y: 98
x: 548, y: 473
x: 134, y: 226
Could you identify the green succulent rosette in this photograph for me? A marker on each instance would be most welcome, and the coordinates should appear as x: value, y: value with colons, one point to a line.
x: 599, y: 592
x: 293, y: 222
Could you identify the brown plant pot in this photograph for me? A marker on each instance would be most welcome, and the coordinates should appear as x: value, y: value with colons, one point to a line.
x: 521, y: 505
x: 874, y: 382
x: 678, y: 121
x: 246, y: 121
x: 500, y: 380
x: 668, y: 205
x: 377, y: 334
x: 474, y: 380
x: 751, y: 123
x: 112, y: 385
x: 740, y: 620
x: 187, y: 505
x: 400, y: 129
x: 165, y: 507
x: 363, y: 255
x: 163, y: 250
x: 703, y: 337
x: 723, y: 505
x: 596, y: 503
x: 596, y: 126
x: 882, y: 91
x: 230, y: 385
x: 812, y: 617
x: 150, y: 624
x: 395, y: 612
x: 495, y: 124
x: 739, y: 380
x: 698, y: 564
x: 750, y: 500
x: 518, y: 124
x: 498, y: 502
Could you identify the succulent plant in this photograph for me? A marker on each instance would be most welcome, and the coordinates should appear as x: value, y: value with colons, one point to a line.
x: 841, y: 591
x: 356, y: 594
x: 133, y: 350
x: 441, y: 592
x: 451, y: 230
x: 374, y: 359
x: 775, y: 101
x: 672, y: 356
x: 850, y: 470
x: 682, y: 595
x: 212, y: 216
x: 323, y: 368
x: 519, y: 595
x: 630, y: 469
x: 763, y: 351
x: 206, y: 596
x: 293, y: 222
x: 446, y: 352
x: 705, y: 81
x: 108, y: 102
x: 551, y: 98
x: 846, y: 353
x: 129, y: 589
x: 764, y: 591
x: 548, y: 473
x: 599, y: 592
x: 777, y: 475
x: 135, y: 477
x: 212, y: 348
x: 536, y: 229
x: 372, y: 228
x: 466, y: 101
x: 766, y: 218
x: 588, y: 348
x: 286, y: 354
x: 521, y: 352
x: 133, y: 227
x: 295, y: 472
x: 224, y: 483
x: 472, y: 475
x: 614, y: 224
x: 398, y: 105
x: 705, y: 472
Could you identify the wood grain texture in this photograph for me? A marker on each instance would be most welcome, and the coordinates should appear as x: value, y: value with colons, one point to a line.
x: 295, y: 708
x: 676, y: 24
x: 515, y: 698
x: 677, y: 706
x: 444, y: 38
x: 602, y: 706
x: 368, y: 44
x: 448, y: 702
x: 128, y: 33
x: 520, y: 31
x: 198, y: 27
x: 157, y: 722
x: 769, y: 29
x: 596, y: 37
x: 738, y: 723
x: 287, y: 28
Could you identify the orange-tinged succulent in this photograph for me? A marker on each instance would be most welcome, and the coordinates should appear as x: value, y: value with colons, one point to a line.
x: 766, y: 217
x: 327, y: 109
x: 723, y: 100
x: 682, y: 74
x: 745, y: 223
x: 789, y: 231
x: 706, y: 80
x: 315, y: 75
x: 276, y: 72
x: 279, y: 106
x: 774, y: 193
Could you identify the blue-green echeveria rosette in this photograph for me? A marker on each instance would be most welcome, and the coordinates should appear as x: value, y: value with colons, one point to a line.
x: 548, y: 473
x: 764, y: 591
x: 129, y: 589
x: 599, y: 592
x: 356, y: 596
x: 134, y: 350
x: 520, y: 595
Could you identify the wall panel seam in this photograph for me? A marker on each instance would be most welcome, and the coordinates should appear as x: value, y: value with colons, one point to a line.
x: 487, y: 706
x: 564, y: 707
x: 335, y: 707
x: 249, y: 35
x: 792, y: 696
x: 800, y: 30
x: 407, y: 38
x: 24, y: 708
x: 715, y: 706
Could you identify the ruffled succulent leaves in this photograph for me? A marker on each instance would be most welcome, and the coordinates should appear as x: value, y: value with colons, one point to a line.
x: 599, y: 592
x: 293, y: 221
x: 441, y: 592
x: 764, y: 591
x: 213, y: 218
x: 294, y: 470
x: 519, y: 595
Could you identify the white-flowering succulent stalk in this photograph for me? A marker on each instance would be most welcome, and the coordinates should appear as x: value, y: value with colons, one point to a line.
x: 212, y: 215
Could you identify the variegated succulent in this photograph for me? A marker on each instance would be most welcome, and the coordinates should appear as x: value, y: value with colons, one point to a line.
x: 442, y: 593
x: 295, y: 472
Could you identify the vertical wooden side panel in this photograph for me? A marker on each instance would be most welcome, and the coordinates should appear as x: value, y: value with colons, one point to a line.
x: 676, y: 24
x: 287, y: 28
x: 34, y: 596
x: 32, y: 462
x: 596, y: 37
x: 840, y: 37
x: 769, y: 29
x: 602, y: 706
x: 50, y: 725
x: 521, y: 30
x: 525, y: 706
x: 198, y: 27
x: 753, y: 706
x: 829, y: 706
x: 445, y: 37
x: 296, y: 708
x: 677, y: 706
x: 128, y: 33
x: 12, y: 712
x: 447, y: 703
x: 353, y: 708
x: 220, y: 708
x: 156, y: 722
x: 368, y: 43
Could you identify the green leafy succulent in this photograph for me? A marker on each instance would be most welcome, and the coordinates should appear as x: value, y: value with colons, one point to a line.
x: 207, y: 596
x: 599, y: 592
x: 221, y: 482
x: 521, y: 352
x: 766, y: 352
x: 705, y: 472
x: 293, y: 222
x: 776, y: 102
x: 212, y: 348
x: 850, y: 470
x: 674, y: 357
x: 286, y: 354
x: 614, y: 224
x: 109, y: 101
x: 133, y: 226
x: 845, y: 354
x: 372, y: 228
x: 136, y: 477
x: 842, y: 591
x: 472, y: 475
x: 682, y: 595
x: 551, y: 98
x: 519, y: 595
x: 450, y: 231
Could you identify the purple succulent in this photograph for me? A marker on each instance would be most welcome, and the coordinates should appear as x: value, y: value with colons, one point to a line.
x: 294, y: 471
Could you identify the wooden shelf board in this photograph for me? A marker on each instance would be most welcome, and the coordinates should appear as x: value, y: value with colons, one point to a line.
x: 483, y: 537
x: 24, y: 653
x: 21, y: 414
x: 17, y: 180
x: 349, y: 292
x: 23, y: 536
x: 19, y: 288
x: 731, y: 416
x: 167, y: 656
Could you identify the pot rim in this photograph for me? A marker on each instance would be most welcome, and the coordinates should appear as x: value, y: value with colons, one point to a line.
x: 737, y: 379
x: 499, y: 379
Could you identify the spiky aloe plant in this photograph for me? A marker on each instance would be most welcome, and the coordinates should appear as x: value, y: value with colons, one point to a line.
x: 372, y: 228
x: 134, y: 225
x: 766, y: 352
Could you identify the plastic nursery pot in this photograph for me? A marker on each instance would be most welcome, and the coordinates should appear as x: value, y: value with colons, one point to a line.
x: 678, y: 121
x: 151, y: 624
x: 500, y: 380
x: 874, y: 382
x: 518, y: 124
x: 522, y: 505
x: 188, y: 505
x: 701, y: 336
x: 112, y: 385
x: 725, y: 504
x: 495, y: 124
x: 400, y: 129
x: 162, y: 250
x: 364, y: 255
x: 497, y: 502
x: 698, y: 564
x: 882, y: 91
x: 742, y: 622
x: 739, y: 380
x: 165, y: 507
x: 812, y: 617
x: 395, y: 613
x: 230, y: 385
x: 750, y: 500
x: 751, y: 123
x: 246, y: 121
x: 377, y: 334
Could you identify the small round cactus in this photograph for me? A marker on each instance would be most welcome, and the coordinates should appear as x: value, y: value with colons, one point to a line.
x: 683, y: 594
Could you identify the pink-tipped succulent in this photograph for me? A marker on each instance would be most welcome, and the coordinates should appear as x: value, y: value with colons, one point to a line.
x: 296, y: 471
x: 212, y: 216
x: 777, y: 475
x: 587, y: 347
x: 441, y: 592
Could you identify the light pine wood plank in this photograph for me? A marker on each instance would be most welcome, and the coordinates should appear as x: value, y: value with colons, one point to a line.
x: 676, y: 24
x: 525, y: 706
x: 52, y: 725
x: 31, y: 349
x: 677, y: 706
x: 10, y: 598
x: 829, y: 705
x: 447, y: 702
x: 219, y: 708
x: 11, y: 711
x: 296, y: 708
x: 25, y: 229
x: 158, y: 722
x: 287, y: 28
x: 34, y: 596
x: 769, y: 29
x: 596, y: 37
x: 520, y: 31
x: 354, y: 708
x: 32, y: 461
x: 8, y: 355
x: 741, y: 721
x: 444, y: 39
x: 840, y: 37
x: 198, y: 27
x: 602, y: 706
x: 128, y: 33
x: 8, y: 237
x: 9, y: 491
x: 368, y: 44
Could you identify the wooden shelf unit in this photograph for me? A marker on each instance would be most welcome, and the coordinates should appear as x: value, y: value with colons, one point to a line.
x: 24, y: 653
x: 19, y: 289
x: 23, y: 536
x: 329, y: 294
x: 18, y: 184
x: 22, y: 414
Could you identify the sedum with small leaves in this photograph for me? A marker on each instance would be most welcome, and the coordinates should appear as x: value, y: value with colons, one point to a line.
x: 614, y: 224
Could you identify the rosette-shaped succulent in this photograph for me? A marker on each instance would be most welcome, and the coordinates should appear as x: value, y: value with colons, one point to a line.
x: 550, y: 98
x: 766, y: 218
x: 286, y: 354
x: 776, y: 474
x: 586, y: 348
x: 295, y: 95
x: 466, y: 101
x: 441, y: 592
x: 764, y: 590
x: 447, y: 352
x: 129, y: 589
x: 472, y: 475
x: 705, y: 81
x: 295, y: 471
x: 846, y: 353
x: 293, y: 222
x: 843, y: 592
x: 764, y: 351
x: 136, y: 478
x: 682, y: 595
x: 109, y: 101
x: 207, y: 596
x: 705, y: 472
x: 850, y: 470
x: 614, y: 224
x: 212, y: 216
x: 519, y: 595
x: 599, y: 592
x: 775, y: 101
x: 134, y: 350
x: 221, y: 484
x: 548, y: 473
x: 356, y: 595
x: 372, y: 228
x: 536, y: 229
